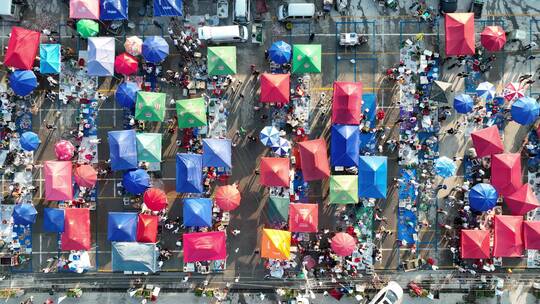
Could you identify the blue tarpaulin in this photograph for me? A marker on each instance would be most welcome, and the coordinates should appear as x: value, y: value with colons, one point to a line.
x: 126, y: 94
x: 136, y: 181
x: 525, y: 111
x: 345, y: 145
x: 369, y: 108
x: 155, y: 49
x: 372, y: 174
x: 128, y: 256
x: 24, y: 214
x: 123, y: 149
x: 29, y: 141
x: 217, y: 153
x: 113, y: 9
x: 49, y: 58
x: 53, y: 220
x: 167, y: 8
x: 23, y: 82
x: 483, y: 197
x: 189, y: 173
x: 280, y: 52
x: 197, y: 212
x: 122, y: 227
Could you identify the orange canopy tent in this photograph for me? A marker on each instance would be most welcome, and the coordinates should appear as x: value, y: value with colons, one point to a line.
x: 303, y: 217
x: 508, y: 241
x: 274, y: 172
x: 276, y: 244
x: 314, y: 159
x: 459, y: 34
x: 275, y: 88
x: 475, y: 244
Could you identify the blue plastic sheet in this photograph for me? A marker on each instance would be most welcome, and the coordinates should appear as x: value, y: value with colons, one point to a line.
x: 372, y: 174
x: 113, y: 9
x: 369, y: 103
x: 217, y: 153
x: 122, y: 227
x: 49, y: 55
x: 197, y: 212
x: 123, y: 150
x: 167, y: 8
x: 24, y: 214
x: 53, y: 220
x: 189, y: 173
x: 345, y: 145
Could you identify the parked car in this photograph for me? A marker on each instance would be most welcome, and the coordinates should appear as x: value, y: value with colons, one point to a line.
x: 448, y: 6
x: 390, y: 294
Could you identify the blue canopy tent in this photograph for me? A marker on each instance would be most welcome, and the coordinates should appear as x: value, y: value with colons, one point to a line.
x: 463, y: 103
x: 123, y: 149
x: 189, y: 173
x: 167, y: 8
x: 126, y: 94
x: 197, y: 212
x: 136, y: 181
x: 129, y: 256
x: 525, y: 111
x: 49, y: 55
x: 29, y: 141
x: 372, y: 174
x: 113, y: 10
x: 122, y: 227
x: 217, y: 153
x: 23, y: 82
x: 101, y: 56
x: 24, y: 214
x: 280, y: 52
x: 483, y: 197
x: 345, y: 145
x: 155, y: 49
x: 53, y: 219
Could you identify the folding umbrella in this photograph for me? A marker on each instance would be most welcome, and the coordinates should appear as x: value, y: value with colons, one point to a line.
x: 197, y: 212
x: 275, y: 88
x: 445, y: 167
x: 126, y: 64
x: 525, y: 111
x: 276, y: 244
x: 122, y: 227
x: 513, y: 90
x: 344, y: 145
x: 483, y: 197
x: 133, y: 45
x: 84, y: 9
x: 459, y: 34
x: 487, y: 141
x: 306, y: 58
x: 167, y: 8
x: 343, y: 189
x: 126, y: 94
x: 155, y: 49
x: 475, y: 244
x: 53, y: 219
x: 522, y: 201
x: 49, y: 55
x: 343, y: 244
x: 493, y: 38
x: 531, y: 235
x: 64, y: 150
x: 101, y: 56
x: 314, y: 159
x: 204, y: 246
x: 114, y: 10
x: 155, y: 199
x: 463, y: 104
x: 506, y: 172
x: 150, y: 106
x: 347, y: 103
x: 274, y: 172
x: 280, y: 52
x: 269, y: 136
x: 85, y: 176
x: 217, y: 153
x: 123, y: 149
x: 87, y: 28
x: 486, y: 90
x: 303, y: 217
x: 23, y: 82
x: 22, y: 48
x: 24, y: 214
x: 147, y: 228
x: 282, y: 147
x: 29, y: 141
x: 221, y: 60
x: 227, y: 197
x: 191, y: 113
x: 189, y: 173
x: 136, y: 182
x: 149, y: 147
x: 372, y: 175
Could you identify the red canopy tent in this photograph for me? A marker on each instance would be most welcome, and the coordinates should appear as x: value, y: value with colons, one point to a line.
x: 347, y: 103
x: 147, y: 227
x: 228, y: 197
x: 508, y: 241
x: 506, y: 173
x: 303, y: 217
x: 275, y: 88
x: 314, y: 159
x: 204, y: 246
x: 274, y: 172
x: 126, y: 64
x: 487, y: 141
x: 85, y: 176
x: 475, y: 244
x: 22, y: 48
x: 76, y: 235
x: 493, y: 38
x: 522, y: 201
x: 459, y: 33
x: 531, y: 234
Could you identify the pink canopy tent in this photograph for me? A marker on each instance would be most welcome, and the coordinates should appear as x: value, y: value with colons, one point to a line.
x: 76, y: 234
x: 522, y: 201
x: 508, y: 241
x: 531, y: 234
x: 204, y: 246
x: 303, y: 217
x: 85, y: 176
x: 459, y: 34
x: 475, y: 244
x: 84, y: 9
x: 506, y: 173
x: 487, y: 141
x: 347, y: 103
x: 314, y: 159
x: 274, y: 172
x: 58, y: 186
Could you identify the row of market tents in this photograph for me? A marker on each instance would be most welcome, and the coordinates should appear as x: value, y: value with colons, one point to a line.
x: 460, y: 35
x: 118, y: 9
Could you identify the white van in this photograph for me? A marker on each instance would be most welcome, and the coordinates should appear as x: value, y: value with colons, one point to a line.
x: 229, y: 33
x: 241, y: 11
x: 295, y: 11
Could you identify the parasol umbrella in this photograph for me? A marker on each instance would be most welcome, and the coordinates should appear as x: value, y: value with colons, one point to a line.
x: 87, y: 28
x: 445, y: 167
x: 343, y: 244
x: 525, y: 111
x: 23, y: 82
x: 29, y: 141
x: 309, y: 262
x: 85, y: 176
x: 136, y: 181
x: 483, y: 197
x: 126, y: 64
x: 513, y: 90
x: 280, y: 52
x: 493, y: 38
x: 126, y: 94
x: 485, y: 90
x: 64, y: 150
x: 24, y: 214
x: 228, y: 197
x: 282, y: 147
x: 155, y: 199
x: 463, y: 103
x: 133, y: 45
x: 269, y: 136
x: 155, y: 49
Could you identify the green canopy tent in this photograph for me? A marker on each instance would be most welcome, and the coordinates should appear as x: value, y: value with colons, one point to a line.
x: 150, y: 106
x: 306, y: 58
x: 221, y: 60
x: 191, y: 113
x: 277, y: 209
x: 149, y: 147
x: 87, y: 28
x: 343, y: 189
